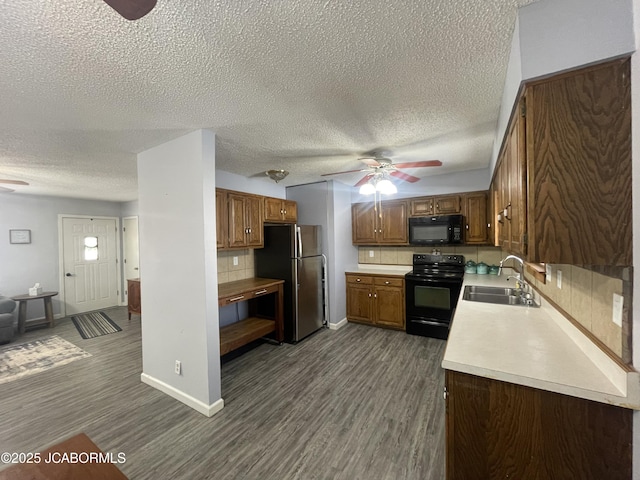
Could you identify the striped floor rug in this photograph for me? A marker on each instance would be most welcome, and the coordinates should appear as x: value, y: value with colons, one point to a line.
x: 94, y: 324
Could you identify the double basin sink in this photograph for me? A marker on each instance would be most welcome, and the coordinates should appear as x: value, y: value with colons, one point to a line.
x: 498, y: 295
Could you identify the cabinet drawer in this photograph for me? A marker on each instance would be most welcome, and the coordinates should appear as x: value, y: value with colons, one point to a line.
x: 361, y: 279
x: 389, y: 281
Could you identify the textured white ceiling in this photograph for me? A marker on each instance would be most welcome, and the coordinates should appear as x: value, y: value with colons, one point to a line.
x: 304, y: 85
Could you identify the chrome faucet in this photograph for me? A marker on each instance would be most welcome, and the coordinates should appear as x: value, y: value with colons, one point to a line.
x: 520, y: 275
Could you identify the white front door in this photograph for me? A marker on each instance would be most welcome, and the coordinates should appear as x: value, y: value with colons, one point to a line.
x: 90, y: 264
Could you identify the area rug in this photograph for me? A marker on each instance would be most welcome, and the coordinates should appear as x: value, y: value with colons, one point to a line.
x: 94, y: 324
x: 17, y: 361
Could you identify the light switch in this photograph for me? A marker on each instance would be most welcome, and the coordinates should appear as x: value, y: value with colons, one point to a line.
x: 370, y: 253
x: 618, y: 301
x: 559, y: 278
x: 235, y: 261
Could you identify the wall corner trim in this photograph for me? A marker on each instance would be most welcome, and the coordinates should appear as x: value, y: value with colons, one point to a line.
x: 197, y: 405
x: 336, y: 326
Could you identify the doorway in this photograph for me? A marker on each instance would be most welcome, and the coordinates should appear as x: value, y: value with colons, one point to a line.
x: 89, y: 263
x: 131, y: 259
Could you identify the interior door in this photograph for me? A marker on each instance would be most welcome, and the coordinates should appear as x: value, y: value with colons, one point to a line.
x: 131, y: 259
x: 90, y: 264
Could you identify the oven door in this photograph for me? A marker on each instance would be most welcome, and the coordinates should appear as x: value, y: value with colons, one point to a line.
x: 430, y: 304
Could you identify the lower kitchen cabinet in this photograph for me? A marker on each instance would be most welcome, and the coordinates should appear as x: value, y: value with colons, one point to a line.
x: 499, y: 430
x: 376, y: 300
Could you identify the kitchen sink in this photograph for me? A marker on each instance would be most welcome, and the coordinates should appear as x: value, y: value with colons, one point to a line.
x: 497, y: 295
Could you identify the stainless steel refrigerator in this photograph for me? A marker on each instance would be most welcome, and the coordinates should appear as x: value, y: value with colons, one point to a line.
x: 293, y: 253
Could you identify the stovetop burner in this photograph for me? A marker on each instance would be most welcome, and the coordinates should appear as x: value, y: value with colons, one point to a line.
x: 437, y: 266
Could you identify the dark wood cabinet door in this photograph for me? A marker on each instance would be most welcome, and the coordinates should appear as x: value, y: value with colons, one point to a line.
x: 422, y: 207
x: 237, y: 227
x: 222, y: 219
x: 359, y: 300
x: 475, y: 209
x: 517, y: 181
x: 273, y: 209
x: 447, y: 205
x: 504, y: 229
x: 290, y: 209
x: 389, y: 307
x: 363, y: 224
x: 254, y: 215
x: 579, y: 167
x: 500, y: 430
x: 392, y: 226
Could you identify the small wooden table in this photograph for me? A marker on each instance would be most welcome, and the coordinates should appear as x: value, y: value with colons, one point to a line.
x: 259, y: 323
x: 57, y: 469
x: 22, y: 308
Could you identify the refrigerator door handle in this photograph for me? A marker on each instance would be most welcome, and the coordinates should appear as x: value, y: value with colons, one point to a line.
x: 299, y: 237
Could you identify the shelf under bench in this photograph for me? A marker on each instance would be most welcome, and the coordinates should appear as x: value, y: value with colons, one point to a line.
x: 256, y: 325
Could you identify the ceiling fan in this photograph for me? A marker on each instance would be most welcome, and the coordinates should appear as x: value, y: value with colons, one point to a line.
x: 379, y: 169
x: 132, y: 9
x: 10, y: 182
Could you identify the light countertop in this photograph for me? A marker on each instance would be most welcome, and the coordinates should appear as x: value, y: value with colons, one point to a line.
x: 376, y: 269
x: 535, y: 347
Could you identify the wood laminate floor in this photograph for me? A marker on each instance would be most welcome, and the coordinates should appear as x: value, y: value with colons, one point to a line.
x: 357, y: 403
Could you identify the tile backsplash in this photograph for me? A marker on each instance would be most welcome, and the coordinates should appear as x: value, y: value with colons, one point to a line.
x: 585, y: 294
x: 228, y: 272
x: 404, y: 255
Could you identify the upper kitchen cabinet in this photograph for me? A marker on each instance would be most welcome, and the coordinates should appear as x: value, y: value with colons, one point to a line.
x: 475, y: 217
x: 440, y: 205
x: 578, y: 139
x: 245, y: 220
x: 222, y: 219
x: 379, y: 223
x: 509, y: 186
x: 280, y: 211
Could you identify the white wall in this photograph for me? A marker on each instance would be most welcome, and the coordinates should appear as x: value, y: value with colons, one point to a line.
x: 262, y: 185
x: 557, y: 35
x: 23, y: 265
x: 467, y: 181
x: 129, y: 209
x: 179, y: 292
x: 342, y: 253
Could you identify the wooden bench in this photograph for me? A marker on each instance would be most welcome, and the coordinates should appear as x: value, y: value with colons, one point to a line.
x: 258, y: 324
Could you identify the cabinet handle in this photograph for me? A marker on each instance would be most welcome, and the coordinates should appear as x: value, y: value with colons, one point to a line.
x: 387, y: 283
x: 467, y: 226
x: 446, y: 393
x: 369, y: 295
x: 281, y: 211
x: 357, y: 279
x: 260, y: 292
x: 235, y: 299
x: 285, y: 212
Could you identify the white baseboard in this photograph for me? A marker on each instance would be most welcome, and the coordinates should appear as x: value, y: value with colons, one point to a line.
x: 197, y: 405
x: 340, y: 324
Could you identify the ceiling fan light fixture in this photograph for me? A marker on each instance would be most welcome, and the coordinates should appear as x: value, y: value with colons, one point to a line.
x: 367, y: 189
x: 276, y: 175
x: 385, y: 187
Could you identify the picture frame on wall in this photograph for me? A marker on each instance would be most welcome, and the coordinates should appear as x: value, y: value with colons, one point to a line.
x: 19, y: 236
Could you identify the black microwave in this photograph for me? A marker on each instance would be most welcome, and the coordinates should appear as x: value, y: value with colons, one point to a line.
x: 438, y: 230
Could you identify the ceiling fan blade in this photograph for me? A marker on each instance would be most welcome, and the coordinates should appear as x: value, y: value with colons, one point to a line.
x: 363, y: 180
x: 132, y: 9
x: 372, y: 162
x: 404, y: 176
x: 7, y: 190
x: 13, y: 182
x: 339, y: 173
x: 424, y: 163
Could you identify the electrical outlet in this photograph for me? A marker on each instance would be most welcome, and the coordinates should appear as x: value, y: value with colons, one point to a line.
x: 235, y: 261
x: 618, y: 301
x: 178, y: 367
x: 559, y: 278
x: 370, y: 253
x: 547, y: 273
